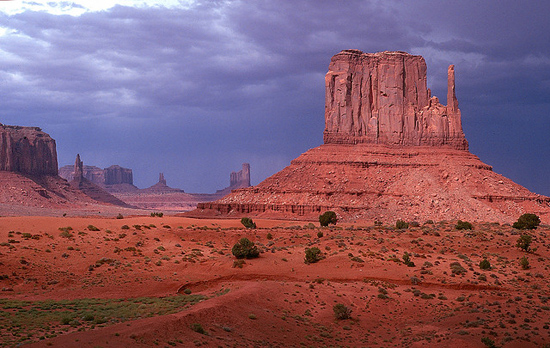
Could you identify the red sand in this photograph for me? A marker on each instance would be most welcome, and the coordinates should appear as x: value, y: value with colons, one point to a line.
x: 277, y: 300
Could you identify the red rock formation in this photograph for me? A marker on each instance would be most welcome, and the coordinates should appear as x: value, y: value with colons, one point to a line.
x: 382, y: 98
x: 241, y: 178
x: 97, y: 193
x: 113, y: 175
x: 160, y: 187
x: 27, y: 150
x: 391, y: 152
x: 117, y: 175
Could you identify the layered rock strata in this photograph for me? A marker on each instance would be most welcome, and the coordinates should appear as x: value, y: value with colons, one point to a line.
x: 97, y: 193
x: 113, y: 179
x: 382, y: 98
x: 241, y: 178
x: 392, y: 151
x: 27, y: 150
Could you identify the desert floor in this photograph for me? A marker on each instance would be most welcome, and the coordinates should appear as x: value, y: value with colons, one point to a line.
x: 172, y: 281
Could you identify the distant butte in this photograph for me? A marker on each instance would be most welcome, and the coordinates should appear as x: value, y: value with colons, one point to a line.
x: 391, y: 151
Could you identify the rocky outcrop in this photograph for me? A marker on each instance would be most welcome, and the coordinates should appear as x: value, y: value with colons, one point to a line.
x: 241, y: 178
x: 160, y: 187
x: 113, y: 175
x: 391, y: 151
x: 382, y: 98
x: 27, y: 150
x: 90, y: 189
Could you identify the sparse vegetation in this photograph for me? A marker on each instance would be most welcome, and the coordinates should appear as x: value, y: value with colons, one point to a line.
x: 524, y: 242
x: 527, y: 222
x: 245, y: 249
x: 198, y: 328
x: 157, y: 214
x: 463, y: 225
x: 341, y: 312
x: 248, y: 223
x: 92, y: 228
x: 407, y: 260
x: 401, y: 225
x: 485, y: 264
x: 524, y: 263
x: 328, y: 218
x: 313, y: 255
x: 119, y: 216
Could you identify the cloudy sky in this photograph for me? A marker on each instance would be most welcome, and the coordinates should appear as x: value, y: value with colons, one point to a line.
x: 195, y: 88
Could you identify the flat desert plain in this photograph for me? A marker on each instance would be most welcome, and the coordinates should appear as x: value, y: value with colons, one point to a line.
x: 173, y: 281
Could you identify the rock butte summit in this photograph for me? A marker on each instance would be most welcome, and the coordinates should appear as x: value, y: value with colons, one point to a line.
x: 391, y: 151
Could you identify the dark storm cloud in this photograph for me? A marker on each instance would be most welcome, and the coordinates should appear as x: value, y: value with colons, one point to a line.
x: 194, y: 92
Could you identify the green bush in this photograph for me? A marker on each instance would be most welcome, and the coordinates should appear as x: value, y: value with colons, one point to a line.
x: 120, y: 216
x: 245, y: 249
x: 92, y: 228
x: 485, y: 264
x: 320, y: 234
x: 524, y: 263
x: 248, y: 223
x: 407, y: 260
x: 524, y: 242
x: 313, y: 255
x: 269, y: 236
x: 341, y: 312
x: 527, y: 222
x: 463, y: 225
x: 157, y: 214
x: 198, y: 328
x: 401, y: 225
x: 328, y: 217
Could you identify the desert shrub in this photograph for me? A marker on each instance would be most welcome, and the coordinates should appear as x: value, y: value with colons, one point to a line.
x: 125, y: 227
x: 320, y: 234
x: 524, y: 242
x: 401, y: 225
x: 524, y: 263
x: 238, y: 263
x: 248, y: 223
x: 198, y: 328
x: 328, y: 217
x: 488, y: 342
x: 414, y: 224
x: 92, y: 228
x: 463, y: 225
x: 527, y: 222
x: 341, y: 312
x: 313, y: 255
x: 269, y: 236
x: 407, y: 260
x: 429, y: 222
x: 457, y: 268
x: 157, y: 214
x: 245, y: 249
x: 485, y: 264
x: 119, y: 216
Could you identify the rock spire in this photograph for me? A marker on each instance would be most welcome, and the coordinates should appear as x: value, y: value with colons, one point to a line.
x: 382, y: 98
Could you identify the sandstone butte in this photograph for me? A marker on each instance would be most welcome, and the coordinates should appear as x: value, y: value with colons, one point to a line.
x: 29, y: 181
x: 391, y: 151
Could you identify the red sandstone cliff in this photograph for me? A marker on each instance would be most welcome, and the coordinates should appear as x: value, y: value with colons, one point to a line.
x: 391, y: 152
x: 27, y: 150
x: 382, y: 98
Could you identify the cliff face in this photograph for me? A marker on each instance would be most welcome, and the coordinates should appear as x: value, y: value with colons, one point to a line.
x: 117, y: 175
x: 27, y: 150
x: 382, y: 98
x: 241, y: 178
x: 113, y: 175
x: 391, y: 152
